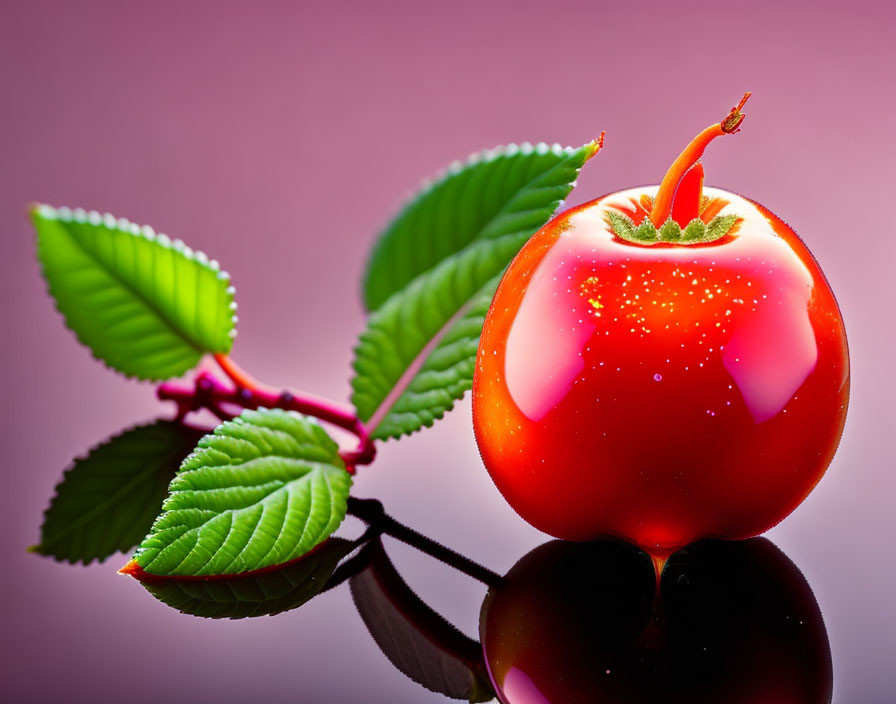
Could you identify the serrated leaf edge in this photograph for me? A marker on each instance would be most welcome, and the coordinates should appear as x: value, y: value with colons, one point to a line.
x: 36, y: 548
x: 133, y: 568
x: 590, y: 149
x: 80, y: 215
x: 429, y: 183
x: 404, y: 381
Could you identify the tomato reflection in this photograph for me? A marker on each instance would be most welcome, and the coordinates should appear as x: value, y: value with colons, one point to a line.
x: 735, y: 623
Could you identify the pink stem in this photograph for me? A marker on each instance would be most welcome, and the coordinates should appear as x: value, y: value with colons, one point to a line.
x: 208, y: 392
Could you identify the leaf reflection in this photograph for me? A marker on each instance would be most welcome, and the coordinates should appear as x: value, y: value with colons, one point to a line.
x: 264, y: 593
x: 416, y: 639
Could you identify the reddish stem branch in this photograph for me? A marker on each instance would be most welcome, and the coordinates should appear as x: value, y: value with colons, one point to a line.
x: 208, y: 392
x: 236, y: 374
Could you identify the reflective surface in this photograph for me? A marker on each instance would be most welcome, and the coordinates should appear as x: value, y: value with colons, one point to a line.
x: 662, y: 393
x: 733, y: 622
x: 570, y: 622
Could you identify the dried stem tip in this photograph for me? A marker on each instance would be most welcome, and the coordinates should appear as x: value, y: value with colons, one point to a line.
x: 735, y: 117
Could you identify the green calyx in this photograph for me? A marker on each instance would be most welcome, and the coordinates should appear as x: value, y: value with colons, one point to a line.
x: 695, y: 232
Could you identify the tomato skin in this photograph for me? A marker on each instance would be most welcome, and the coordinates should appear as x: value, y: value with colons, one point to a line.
x: 660, y: 393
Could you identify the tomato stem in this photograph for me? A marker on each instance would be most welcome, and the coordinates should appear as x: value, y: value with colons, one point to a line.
x: 688, y: 196
x: 665, y: 197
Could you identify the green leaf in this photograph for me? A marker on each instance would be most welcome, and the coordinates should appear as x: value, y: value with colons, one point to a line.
x: 695, y: 230
x: 433, y: 272
x: 262, y: 490
x: 719, y: 226
x: 645, y: 232
x: 622, y: 224
x: 670, y: 231
x: 107, y: 500
x: 495, y: 192
x: 148, y: 307
x: 247, y: 596
x: 625, y: 227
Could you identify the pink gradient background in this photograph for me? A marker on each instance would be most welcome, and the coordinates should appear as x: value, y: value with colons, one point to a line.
x: 278, y: 137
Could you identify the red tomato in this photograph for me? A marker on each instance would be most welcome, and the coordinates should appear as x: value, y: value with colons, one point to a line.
x: 660, y: 393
